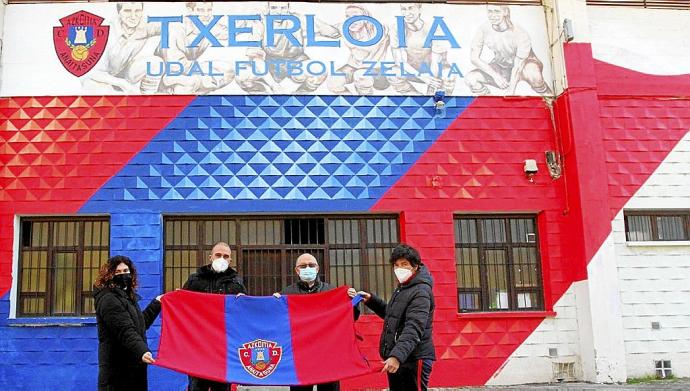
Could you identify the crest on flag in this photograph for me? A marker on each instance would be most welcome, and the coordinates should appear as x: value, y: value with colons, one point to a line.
x: 80, y: 41
x: 260, y: 357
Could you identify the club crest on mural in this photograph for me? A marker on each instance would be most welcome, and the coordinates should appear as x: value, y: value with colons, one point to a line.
x: 80, y: 41
x: 260, y: 357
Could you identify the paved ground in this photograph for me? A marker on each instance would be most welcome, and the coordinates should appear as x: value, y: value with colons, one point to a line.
x: 682, y: 384
x: 675, y: 385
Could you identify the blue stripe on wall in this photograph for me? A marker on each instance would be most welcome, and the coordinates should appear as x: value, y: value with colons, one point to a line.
x: 277, y: 153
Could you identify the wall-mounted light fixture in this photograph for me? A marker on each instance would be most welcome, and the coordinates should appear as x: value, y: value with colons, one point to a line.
x: 530, y: 169
x: 439, y: 103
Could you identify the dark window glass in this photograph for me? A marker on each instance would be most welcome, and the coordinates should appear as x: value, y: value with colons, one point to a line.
x: 661, y: 225
x: 678, y: 4
x: 59, y: 261
x: 497, y: 266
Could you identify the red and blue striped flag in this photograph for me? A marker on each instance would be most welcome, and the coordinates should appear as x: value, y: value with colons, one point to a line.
x: 296, y: 339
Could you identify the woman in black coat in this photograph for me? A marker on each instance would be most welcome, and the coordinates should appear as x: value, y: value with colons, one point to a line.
x: 406, y: 345
x: 123, y: 353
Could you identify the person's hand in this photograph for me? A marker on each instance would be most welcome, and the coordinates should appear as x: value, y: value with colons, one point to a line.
x: 148, y: 358
x: 240, y: 294
x: 391, y: 365
x: 276, y: 295
x: 351, y: 292
x: 365, y: 295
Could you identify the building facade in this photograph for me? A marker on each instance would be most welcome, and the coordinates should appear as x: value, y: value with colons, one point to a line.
x: 538, y: 156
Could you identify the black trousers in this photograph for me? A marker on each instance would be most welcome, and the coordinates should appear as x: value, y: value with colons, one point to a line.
x: 199, y: 384
x: 411, y: 376
x: 335, y: 386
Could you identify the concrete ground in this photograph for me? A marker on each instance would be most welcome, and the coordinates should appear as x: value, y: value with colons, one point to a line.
x: 666, y: 385
x: 679, y: 385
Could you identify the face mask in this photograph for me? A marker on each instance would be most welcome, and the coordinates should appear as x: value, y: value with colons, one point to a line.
x: 308, y: 274
x: 402, y: 274
x: 123, y: 281
x: 220, y: 265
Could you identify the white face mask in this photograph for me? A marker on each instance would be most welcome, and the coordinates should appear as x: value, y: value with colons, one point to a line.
x: 402, y: 274
x: 220, y: 265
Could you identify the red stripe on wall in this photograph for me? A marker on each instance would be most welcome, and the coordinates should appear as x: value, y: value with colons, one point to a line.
x: 56, y: 152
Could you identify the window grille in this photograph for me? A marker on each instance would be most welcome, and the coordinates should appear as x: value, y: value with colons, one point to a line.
x: 351, y: 249
x: 497, y: 263
x: 59, y: 259
x: 657, y: 225
x: 679, y: 4
x: 663, y: 369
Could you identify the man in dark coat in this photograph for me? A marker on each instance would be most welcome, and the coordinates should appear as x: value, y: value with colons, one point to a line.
x: 307, y: 269
x: 122, y: 349
x: 406, y: 345
x: 220, y: 276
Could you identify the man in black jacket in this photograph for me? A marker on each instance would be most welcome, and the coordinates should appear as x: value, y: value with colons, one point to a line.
x: 307, y: 269
x: 220, y: 276
x: 406, y: 345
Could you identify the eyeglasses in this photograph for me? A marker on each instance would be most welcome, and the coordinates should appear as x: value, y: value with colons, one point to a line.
x: 306, y: 265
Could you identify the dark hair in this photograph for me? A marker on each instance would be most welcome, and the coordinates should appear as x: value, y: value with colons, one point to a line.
x: 404, y: 251
x: 105, y: 275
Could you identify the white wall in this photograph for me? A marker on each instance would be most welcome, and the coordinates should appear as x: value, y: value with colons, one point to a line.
x: 645, y: 40
x: 531, y: 363
x: 654, y: 279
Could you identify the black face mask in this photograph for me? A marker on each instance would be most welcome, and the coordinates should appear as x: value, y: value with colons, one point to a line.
x: 123, y: 281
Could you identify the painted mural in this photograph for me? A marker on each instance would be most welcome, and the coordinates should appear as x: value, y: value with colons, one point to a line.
x: 276, y: 48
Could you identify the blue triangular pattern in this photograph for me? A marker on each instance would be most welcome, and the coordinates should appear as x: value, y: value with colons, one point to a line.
x: 267, y: 148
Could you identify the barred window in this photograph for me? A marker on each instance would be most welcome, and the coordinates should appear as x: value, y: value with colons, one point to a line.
x: 497, y: 263
x: 678, y: 4
x: 657, y: 225
x: 59, y: 259
x: 351, y: 249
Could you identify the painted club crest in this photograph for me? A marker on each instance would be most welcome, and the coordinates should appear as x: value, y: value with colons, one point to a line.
x: 80, y: 41
x: 260, y: 357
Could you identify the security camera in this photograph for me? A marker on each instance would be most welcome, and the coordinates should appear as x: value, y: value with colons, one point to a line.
x: 530, y: 168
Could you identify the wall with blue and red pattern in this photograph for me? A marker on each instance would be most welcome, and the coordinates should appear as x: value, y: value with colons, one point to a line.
x: 135, y: 158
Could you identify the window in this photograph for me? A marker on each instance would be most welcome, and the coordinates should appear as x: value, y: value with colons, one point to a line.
x: 352, y: 249
x: 663, y: 369
x: 497, y: 263
x: 59, y: 259
x: 644, y: 226
x: 642, y: 3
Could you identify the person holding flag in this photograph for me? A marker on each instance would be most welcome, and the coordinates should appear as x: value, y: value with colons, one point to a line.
x: 406, y: 344
x: 221, y: 277
x: 123, y: 353
x: 307, y: 269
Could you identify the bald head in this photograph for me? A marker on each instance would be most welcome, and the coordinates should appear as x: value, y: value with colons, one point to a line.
x: 305, y: 261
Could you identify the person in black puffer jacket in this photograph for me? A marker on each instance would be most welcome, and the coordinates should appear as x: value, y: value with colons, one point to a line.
x: 307, y: 269
x: 221, y: 277
x: 406, y: 345
x: 123, y: 353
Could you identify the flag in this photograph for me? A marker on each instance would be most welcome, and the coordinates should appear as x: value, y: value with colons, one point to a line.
x: 291, y: 340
